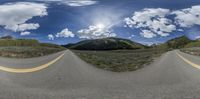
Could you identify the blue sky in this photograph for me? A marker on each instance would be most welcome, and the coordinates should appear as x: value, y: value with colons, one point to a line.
x: 69, y: 21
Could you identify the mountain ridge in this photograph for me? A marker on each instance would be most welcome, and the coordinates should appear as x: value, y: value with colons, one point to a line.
x: 105, y: 44
x: 121, y: 43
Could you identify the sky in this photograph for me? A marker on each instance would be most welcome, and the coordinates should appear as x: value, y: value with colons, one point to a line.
x: 70, y: 21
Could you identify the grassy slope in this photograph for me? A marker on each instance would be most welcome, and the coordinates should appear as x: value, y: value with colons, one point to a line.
x: 127, y: 60
x: 192, y: 48
x: 193, y: 44
x: 112, y: 53
x: 178, y: 43
x: 105, y: 44
x: 119, y: 60
x: 26, y: 48
x: 27, y: 52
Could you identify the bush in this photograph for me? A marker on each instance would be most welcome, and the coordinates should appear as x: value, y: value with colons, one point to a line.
x: 193, y: 44
x: 19, y: 42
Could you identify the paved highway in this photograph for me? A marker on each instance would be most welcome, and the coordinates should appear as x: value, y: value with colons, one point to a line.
x: 174, y: 75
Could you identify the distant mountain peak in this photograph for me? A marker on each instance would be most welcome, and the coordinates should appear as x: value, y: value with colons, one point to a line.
x: 7, y: 37
x: 110, y: 43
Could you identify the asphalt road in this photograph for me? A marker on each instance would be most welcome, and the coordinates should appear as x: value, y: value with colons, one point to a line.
x: 169, y: 77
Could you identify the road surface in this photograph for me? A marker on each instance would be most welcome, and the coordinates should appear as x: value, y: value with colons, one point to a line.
x: 169, y: 77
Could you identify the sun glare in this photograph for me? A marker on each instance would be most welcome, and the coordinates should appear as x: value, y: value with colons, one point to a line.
x: 101, y: 26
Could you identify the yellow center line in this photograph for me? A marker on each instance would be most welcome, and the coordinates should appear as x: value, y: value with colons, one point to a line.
x: 189, y: 62
x: 29, y: 70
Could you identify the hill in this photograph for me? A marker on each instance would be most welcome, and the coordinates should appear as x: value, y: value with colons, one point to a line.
x: 119, y: 43
x: 179, y: 42
x: 18, y: 42
x: 68, y: 45
x: 193, y: 44
x: 26, y: 48
x: 105, y: 44
x: 6, y: 37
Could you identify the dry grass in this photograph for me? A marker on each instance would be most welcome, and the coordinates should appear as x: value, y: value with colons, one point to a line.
x: 192, y: 51
x: 119, y: 60
x: 27, y: 52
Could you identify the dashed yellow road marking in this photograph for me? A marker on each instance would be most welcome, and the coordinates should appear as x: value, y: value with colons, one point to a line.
x: 29, y: 70
x: 189, y: 62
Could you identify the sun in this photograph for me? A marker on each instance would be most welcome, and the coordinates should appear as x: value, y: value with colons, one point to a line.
x: 100, y: 26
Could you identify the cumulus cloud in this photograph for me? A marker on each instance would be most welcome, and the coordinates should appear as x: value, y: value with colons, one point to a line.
x: 156, y: 20
x: 80, y: 3
x: 51, y: 37
x: 148, y: 34
x: 188, y: 17
x: 65, y: 33
x: 74, y: 3
x: 95, y: 32
x: 130, y: 37
x: 197, y: 37
x: 13, y: 16
x: 24, y: 27
x: 25, y: 33
x: 152, y: 22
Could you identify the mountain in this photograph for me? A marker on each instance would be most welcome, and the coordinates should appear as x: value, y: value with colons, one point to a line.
x: 68, y: 45
x: 18, y: 42
x: 119, y: 43
x: 179, y: 42
x: 195, y: 43
x: 105, y: 44
x: 6, y: 37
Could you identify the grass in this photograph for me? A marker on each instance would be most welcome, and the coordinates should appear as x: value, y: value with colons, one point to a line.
x: 27, y: 51
x: 119, y: 60
x: 26, y: 48
x: 192, y: 51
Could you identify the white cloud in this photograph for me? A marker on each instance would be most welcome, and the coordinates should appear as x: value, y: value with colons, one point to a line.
x: 162, y: 25
x: 130, y: 37
x: 13, y: 16
x: 143, y: 18
x: 147, y: 34
x: 152, y: 21
x: 188, y: 17
x: 24, y: 27
x: 181, y: 30
x: 80, y: 3
x: 74, y: 3
x: 25, y: 33
x: 96, y: 32
x: 65, y: 33
x: 50, y: 37
x: 197, y: 37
